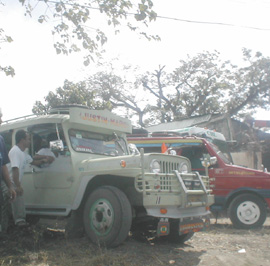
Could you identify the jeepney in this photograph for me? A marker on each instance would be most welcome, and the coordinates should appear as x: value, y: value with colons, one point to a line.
x: 105, y: 183
x: 241, y: 193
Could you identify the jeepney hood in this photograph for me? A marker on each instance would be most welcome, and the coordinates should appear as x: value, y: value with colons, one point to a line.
x: 243, y: 171
x: 123, y: 165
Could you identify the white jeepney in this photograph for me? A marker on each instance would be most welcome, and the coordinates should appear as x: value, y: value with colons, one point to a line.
x: 105, y: 183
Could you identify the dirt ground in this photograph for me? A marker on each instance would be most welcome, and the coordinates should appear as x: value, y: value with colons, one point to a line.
x: 220, y: 245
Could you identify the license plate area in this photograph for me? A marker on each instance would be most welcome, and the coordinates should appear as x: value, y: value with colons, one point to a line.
x: 195, y: 225
x: 185, y: 227
x: 195, y: 198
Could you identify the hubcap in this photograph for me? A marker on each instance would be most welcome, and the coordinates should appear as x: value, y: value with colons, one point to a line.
x: 248, y: 212
x: 101, y: 217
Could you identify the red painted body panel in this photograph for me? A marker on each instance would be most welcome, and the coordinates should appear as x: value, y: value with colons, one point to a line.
x: 225, y: 179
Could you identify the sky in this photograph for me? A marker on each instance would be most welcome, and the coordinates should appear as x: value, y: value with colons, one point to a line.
x: 39, y: 70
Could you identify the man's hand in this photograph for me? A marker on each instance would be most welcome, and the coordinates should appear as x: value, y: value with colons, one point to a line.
x: 19, y: 190
x: 12, y: 194
x: 45, y: 160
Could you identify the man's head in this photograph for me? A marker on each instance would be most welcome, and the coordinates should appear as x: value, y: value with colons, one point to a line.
x: 22, y: 139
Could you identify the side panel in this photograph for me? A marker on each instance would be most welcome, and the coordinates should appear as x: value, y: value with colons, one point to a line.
x: 225, y: 180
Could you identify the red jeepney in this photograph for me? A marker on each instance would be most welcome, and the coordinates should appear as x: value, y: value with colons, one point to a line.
x: 244, y: 193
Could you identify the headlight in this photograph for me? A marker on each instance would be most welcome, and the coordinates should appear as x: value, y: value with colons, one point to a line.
x: 183, y: 168
x: 155, y: 167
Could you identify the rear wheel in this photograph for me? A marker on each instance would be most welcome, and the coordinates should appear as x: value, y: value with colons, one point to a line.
x: 247, y: 211
x: 107, y: 216
x: 32, y: 220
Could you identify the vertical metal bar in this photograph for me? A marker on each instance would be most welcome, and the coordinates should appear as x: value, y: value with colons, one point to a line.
x: 142, y: 166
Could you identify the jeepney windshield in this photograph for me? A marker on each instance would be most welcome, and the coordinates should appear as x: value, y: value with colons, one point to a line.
x: 90, y: 142
x: 220, y: 153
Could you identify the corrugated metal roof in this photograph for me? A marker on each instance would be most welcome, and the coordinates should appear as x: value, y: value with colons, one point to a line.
x: 193, y: 121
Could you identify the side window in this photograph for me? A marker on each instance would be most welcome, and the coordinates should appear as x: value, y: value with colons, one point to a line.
x: 195, y: 155
x: 7, y: 135
x: 43, y: 134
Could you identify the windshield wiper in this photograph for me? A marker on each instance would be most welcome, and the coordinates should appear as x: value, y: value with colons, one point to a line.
x: 117, y: 140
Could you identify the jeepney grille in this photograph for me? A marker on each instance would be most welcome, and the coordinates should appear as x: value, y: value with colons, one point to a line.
x: 168, y: 182
x: 168, y: 167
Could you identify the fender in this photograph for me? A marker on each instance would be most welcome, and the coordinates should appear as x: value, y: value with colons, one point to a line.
x: 222, y: 202
x: 263, y: 193
x: 80, y: 192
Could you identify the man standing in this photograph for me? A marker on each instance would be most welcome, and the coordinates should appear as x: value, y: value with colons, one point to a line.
x: 4, y: 175
x: 18, y: 161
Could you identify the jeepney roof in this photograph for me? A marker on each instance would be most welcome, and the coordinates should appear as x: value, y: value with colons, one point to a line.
x: 95, y: 118
x: 158, y: 141
x: 101, y: 119
x: 30, y: 120
x: 202, y: 132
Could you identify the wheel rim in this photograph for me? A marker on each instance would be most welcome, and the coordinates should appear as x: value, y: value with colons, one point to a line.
x: 248, y: 212
x: 101, y: 217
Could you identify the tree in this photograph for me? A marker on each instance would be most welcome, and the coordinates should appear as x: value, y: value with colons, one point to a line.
x: 103, y: 90
x: 8, y: 70
x: 206, y: 85
x: 200, y: 85
x: 71, y: 93
x: 195, y: 87
x: 72, y: 26
x: 125, y: 96
x: 251, y: 85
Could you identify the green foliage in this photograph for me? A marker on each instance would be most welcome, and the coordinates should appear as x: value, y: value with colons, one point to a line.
x: 101, y: 90
x: 8, y: 70
x: 71, y: 20
x: 250, y: 88
x: 121, y: 93
x: 206, y: 85
x: 71, y: 93
x: 200, y: 85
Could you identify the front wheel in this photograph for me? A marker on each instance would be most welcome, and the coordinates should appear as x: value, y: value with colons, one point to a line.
x: 247, y: 211
x: 107, y: 216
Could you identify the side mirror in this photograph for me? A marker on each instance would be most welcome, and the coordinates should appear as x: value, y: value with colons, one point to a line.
x: 213, y: 160
x: 57, y: 145
x: 206, y: 162
x: 133, y: 149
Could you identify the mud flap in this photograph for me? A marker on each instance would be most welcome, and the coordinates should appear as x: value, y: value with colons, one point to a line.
x: 163, y: 228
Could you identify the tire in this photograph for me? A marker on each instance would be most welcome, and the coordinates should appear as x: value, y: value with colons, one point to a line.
x: 180, y: 239
x: 247, y: 211
x: 174, y: 236
x: 107, y: 216
x: 74, y: 227
x: 32, y: 219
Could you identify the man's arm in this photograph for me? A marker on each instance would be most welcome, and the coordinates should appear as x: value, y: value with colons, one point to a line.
x: 49, y: 159
x: 5, y: 173
x: 15, y: 176
x: 39, y: 161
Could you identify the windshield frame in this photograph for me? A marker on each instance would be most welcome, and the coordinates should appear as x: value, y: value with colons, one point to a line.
x: 85, y: 141
x: 221, y: 155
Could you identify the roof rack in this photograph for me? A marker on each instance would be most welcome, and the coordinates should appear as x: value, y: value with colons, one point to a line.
x: 20, y: 118
x: 64, y: 109
x: 166, y: 134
